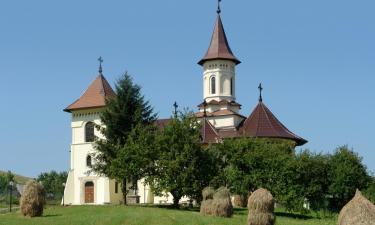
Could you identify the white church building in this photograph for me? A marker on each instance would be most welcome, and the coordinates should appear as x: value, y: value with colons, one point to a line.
x: 219, y: 112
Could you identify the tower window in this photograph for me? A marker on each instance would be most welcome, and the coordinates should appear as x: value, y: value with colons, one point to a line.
x: 213, y: 85
x: 231, y: 86
x: 89, y: 132
x: 88, y: 161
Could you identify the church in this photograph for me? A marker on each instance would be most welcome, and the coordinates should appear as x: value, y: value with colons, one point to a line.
x: 219, y: 113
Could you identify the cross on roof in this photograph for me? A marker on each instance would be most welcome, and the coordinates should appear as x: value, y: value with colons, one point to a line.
x: 218, y: 7
x: 100, y: 65
x: 175, y: 109
x: 260, y: 92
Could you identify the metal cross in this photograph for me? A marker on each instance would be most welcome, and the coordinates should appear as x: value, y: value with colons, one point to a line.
x: 260, y: 92
x: 218, y: 7
x: 175, y: 109
x: 100, y: 65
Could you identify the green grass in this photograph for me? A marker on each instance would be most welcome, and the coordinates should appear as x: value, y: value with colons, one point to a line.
x: 132, y: 215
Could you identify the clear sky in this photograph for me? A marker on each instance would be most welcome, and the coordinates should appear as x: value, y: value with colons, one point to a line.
x: 316, y: 60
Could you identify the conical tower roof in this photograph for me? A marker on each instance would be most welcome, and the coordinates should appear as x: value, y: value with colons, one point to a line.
x: 263, y: 123
x: 94, y: 96
x: 219, y: 46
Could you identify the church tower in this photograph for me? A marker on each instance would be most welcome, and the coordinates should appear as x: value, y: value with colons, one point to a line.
x: 219, y: 86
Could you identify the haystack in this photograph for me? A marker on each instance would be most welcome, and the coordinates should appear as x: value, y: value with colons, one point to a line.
x: 220, y: 205
x: 33, y: 199
x: 359, y: 211
x: 240, y: 200
x: 208, y: 193
x: 261, y: 207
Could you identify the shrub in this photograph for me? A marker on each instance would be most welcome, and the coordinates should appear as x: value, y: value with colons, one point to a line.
x: 261, y: 207
x: 33, y: 199
x: 358, y: 211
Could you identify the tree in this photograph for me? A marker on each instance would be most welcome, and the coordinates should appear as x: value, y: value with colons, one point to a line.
x: 122, y: 113
x: 311, y: 178
x: 136, y: 159
x: 183, y: 167
x: 247, y: 164
x: 346, y: 174
x: 53, y: 183
x: 370, y: 191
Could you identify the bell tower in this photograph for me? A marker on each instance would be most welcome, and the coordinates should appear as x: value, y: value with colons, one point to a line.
x: 219, y: 79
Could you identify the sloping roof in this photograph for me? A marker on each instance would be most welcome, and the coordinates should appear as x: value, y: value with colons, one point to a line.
x: 223, y: 112
x: 208, y: 132
x: 94, y: 96
x: 219, y: 46
x: 221, y: 102
x: 262, y: 123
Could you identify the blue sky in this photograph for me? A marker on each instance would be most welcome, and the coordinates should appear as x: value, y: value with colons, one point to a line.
x: 316, y: 60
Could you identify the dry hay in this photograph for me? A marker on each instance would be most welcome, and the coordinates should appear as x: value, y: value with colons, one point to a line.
x: 33, y: 199
x: 220, y: 205
x: 240, y: 201
x: 261, y: 206
x: 208, y: 193
x: 359, y: 211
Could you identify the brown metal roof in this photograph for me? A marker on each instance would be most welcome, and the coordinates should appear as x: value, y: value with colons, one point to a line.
x: 208, y: 132
x: 219, y: 47
x: 94, y: 96
x: 262, y: 123
x: 221, y: 102
x: 223, y: 112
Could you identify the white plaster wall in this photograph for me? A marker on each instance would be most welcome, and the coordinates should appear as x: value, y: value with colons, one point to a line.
x: 223, y: 70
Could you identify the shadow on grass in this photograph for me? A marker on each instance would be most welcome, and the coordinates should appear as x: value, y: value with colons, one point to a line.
x: 52, y: 215
x: 294, y: 216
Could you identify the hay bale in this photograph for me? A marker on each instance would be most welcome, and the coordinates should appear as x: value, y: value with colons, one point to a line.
x: 359, y: 211
x: 33, y: 199
x: 220, y: 205
x: 206, y: 207
x: 208, y: 193
x: 240, y: 201
x: 261, y: 207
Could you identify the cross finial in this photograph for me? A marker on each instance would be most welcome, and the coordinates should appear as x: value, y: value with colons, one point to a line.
x: 175, y: 109
x: 260, y: 92
x: 218, y: 7
x: 100, y: 65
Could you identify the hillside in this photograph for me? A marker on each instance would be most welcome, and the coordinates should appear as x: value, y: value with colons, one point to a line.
x: 18, y: 178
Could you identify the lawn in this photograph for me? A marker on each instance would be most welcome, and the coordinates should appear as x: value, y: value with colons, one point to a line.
x: 116, y: 215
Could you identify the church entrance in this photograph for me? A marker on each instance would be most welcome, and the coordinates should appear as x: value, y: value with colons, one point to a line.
x: 89, y: 192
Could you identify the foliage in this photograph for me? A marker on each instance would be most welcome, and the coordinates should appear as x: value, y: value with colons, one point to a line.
x: 247, y: 164
x: 370, y: 191
x: 311, y: 178
x: 53, y: 183
x: 33, y: 199
x: 183, y: 167
x: 136, y: 159
x: 122, y: 113
x: 346, y: 174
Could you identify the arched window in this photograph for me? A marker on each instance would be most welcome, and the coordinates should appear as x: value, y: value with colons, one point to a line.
x: 89, y: 132
x: 213, y: 85
x: 88, y: 161
x: 231, y: 86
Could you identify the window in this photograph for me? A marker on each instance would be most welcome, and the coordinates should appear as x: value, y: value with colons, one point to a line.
x: 89, y: 132
x: 213, y: 85
x: 231, y: 86
x: 116, y: 187
x: 88, y: 161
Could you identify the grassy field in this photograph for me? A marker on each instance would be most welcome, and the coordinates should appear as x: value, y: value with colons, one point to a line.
x: 132, y: 215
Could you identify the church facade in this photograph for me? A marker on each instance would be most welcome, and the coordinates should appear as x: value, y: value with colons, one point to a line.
x: 219, y: 114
